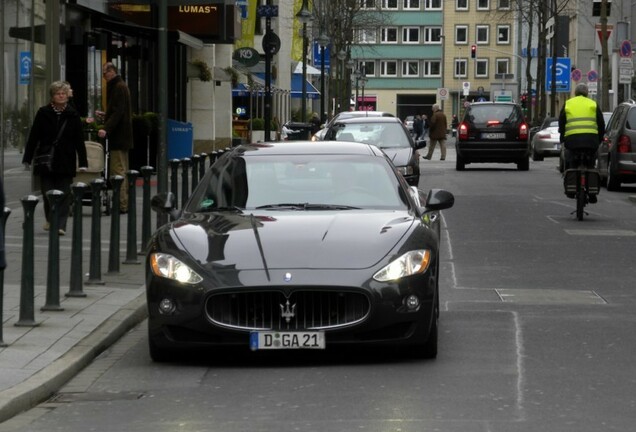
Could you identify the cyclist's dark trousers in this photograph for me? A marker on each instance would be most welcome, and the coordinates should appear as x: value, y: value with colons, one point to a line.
x: 572, y: 158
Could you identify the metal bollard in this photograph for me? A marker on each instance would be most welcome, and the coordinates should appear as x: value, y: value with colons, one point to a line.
x: 95, y: 268
x: 185, y: 189
x: 55, y: 198
x: 213, y: 156
x: 195, y: 171
x: 203, y: 157
x: 113, y: 251
x: 27, y: 300
x: 131, y: 241
x: 75, y: 284
x: 146, y: 173
x: 174, y: 178
x: 3, y: 222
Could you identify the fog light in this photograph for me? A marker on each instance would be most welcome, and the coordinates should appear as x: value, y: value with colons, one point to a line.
x: 167, y: 306
x: 412, y: 302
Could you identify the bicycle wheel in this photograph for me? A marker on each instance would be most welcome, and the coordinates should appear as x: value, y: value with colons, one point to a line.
x: 580, y: 203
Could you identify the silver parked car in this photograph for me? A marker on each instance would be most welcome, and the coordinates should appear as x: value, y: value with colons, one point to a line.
x: 545, y: 142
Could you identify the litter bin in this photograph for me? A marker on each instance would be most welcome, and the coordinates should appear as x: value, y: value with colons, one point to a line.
x: 296, y: 131
x: 180, y: 140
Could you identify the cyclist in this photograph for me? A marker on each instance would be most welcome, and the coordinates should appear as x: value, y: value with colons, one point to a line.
x: 581, y: 129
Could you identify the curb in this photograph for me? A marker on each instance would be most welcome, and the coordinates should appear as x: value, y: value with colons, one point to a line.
x: 47, y: 381
x: 632, y: 198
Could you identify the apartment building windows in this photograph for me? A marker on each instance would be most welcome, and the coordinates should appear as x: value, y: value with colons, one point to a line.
x: 503, y: 34
x: 433, y: 4
x: 503, y: 4
x: 481, y: 68
x: 483, y: 4
x: 389, y: 4
x: 411, y: 4
x: 433, y: 35
x: 432, y: 68
x: 367, y: 4
x: 389, y: 35
x: 410, y: 68
x: 461, y: 68
x: 410, y: 35
x: 461, y: 34
x: 502, y: 65
x: 388, y: 68
x: 366, y: 36
x: 368, y: 67
x: 482, y: 34
x: 461, y: 5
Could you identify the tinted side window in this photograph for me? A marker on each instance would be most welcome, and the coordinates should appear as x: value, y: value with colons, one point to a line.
x: 618, y: 118
x: 631, y: 119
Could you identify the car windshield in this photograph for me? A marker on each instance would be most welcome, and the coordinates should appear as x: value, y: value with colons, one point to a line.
x: 498, y: 113
x: 383, y: 135
x: 294, y: 182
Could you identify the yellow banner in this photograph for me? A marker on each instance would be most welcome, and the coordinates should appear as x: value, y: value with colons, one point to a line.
x: 297, y: 38
x: 248, y: 26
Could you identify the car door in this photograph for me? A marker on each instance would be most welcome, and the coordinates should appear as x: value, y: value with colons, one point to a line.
x: 612, y: 131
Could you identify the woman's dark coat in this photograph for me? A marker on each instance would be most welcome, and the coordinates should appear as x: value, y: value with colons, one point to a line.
x: 71, y: 146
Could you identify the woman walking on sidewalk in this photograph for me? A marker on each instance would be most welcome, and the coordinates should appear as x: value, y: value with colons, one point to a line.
x: 57, y: 125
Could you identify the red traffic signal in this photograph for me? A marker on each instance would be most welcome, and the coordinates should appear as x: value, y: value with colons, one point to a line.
x: 473, y: 51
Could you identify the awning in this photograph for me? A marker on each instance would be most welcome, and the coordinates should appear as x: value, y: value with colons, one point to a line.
x: 298, y: 69
x: 297, y: 88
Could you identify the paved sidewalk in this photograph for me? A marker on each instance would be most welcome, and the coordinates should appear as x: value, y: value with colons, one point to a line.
x: 38, y: 360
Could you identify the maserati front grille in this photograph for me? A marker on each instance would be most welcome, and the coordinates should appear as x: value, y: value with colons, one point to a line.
x: 273, y: 310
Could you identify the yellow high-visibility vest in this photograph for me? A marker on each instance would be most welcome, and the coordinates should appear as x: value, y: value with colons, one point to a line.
x: 580, y: 116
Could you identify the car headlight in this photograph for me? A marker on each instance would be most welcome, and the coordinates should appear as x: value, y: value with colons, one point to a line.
x: 410, y: 263
x: 167, y: 266
x: 405, y: 170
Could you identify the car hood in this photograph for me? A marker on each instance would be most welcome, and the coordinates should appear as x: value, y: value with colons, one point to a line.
x: 291, y: 239
x: 400, y: 156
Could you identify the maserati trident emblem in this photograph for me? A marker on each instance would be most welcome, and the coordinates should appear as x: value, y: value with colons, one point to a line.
x: 288, y: 277
x: 288, y: 311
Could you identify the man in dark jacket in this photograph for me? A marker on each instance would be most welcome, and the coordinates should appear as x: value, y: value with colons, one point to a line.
x: 117, y: 127
x: 437, y: 132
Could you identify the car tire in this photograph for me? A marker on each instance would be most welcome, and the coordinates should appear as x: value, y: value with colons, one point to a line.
x: 157, y: 354
x: 613, y: 183
x: 523, y: 164
x: 460, y: 164
x: 536, y: 157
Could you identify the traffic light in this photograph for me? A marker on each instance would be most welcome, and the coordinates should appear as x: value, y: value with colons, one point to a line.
x: 473, y: 51
x: 524, y: 100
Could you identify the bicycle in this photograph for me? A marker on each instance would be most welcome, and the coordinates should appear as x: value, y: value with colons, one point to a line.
x: 582, y: 183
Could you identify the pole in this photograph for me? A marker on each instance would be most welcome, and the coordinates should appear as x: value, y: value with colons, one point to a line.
x: 303, y: 106
x: 162, y: 157
x: 323, y: 120
x: 267, y: 114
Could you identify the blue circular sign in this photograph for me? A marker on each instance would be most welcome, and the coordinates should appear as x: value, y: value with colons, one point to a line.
x: 592, y: 76
x: 626, y: 49
x: 576, y: 75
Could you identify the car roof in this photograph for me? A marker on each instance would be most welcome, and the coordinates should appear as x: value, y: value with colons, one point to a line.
x: 307, y: 148
x: 492, y: 103
x: 375, y: 120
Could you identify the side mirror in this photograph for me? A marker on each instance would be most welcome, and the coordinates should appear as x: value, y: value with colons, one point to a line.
x: 420, y: 144
x: 165, y: 203
x: 439, y: 199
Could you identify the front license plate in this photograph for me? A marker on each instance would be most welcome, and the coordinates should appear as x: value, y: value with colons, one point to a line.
x: 493, y: 135
x: 286, y: 340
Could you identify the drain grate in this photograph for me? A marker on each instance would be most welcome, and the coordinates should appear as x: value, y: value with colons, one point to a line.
x: 548, y: 296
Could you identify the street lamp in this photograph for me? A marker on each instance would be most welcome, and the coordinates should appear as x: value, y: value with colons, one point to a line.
x: 342, y: 54
x: 304, y: 16
x: 363, y: 82
x: 323, y: 42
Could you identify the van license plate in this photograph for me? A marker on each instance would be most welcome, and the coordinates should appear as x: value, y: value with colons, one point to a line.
x: 286, y: 340
x: 493, y: 135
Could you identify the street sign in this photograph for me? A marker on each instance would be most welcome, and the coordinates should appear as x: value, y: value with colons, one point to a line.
x: 577, y: 75
x: 466, y: 87
x: 592, y: 76
x: 442, y: 93
x: 503, y: 96
x: 25, y: 67
x: 626, y: 49
x: 626, y: 70
x: 563, y: 68
x: 247, y: 56
x: 592, y: 87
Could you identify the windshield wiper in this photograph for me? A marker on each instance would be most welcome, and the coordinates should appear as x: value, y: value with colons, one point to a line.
x: 306, y: 206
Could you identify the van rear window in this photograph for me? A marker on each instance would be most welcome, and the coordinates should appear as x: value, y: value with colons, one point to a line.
x: 494, y: 113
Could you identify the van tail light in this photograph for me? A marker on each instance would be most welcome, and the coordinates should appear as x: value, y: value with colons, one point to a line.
x: 624, y: 144
x: 463, y: 131
x: 523, y: 132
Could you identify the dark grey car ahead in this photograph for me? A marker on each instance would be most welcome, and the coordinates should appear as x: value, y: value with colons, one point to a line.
x: 493, y: 132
